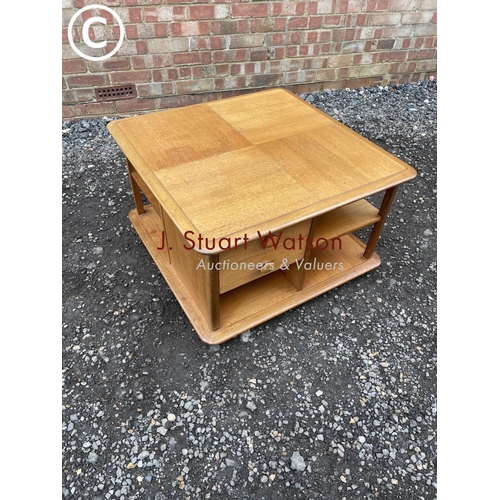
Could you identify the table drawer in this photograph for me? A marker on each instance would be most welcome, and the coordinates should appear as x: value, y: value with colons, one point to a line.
x: 262, y: 256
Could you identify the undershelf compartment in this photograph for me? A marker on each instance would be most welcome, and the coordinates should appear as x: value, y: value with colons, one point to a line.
x: 253, y: 303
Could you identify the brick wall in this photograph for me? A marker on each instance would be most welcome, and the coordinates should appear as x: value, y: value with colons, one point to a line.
x: 179, y: 52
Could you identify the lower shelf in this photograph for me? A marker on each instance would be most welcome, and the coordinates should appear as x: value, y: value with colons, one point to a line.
x: 250, y: 305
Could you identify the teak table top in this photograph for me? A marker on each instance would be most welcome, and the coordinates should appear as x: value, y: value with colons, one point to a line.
x: 257, y: 162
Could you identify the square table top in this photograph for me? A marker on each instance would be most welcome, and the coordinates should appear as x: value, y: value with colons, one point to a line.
x: 257, y: 162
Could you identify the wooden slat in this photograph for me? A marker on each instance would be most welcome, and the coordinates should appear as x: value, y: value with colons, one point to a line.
x: 346, y: 219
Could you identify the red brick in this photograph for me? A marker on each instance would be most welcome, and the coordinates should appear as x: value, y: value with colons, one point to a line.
x: 326, y: 74
x: 385, y: 44
x: 131, y: 105
x: 230, y: 27
x: 356, y: 6
x: 311, y: 37
x: 258, y: 55
x: 201, y: 12
x: 308, y: 87
x: 430, y: 42
x: 332, y: 21
x: 419, y: 42
x: 140, y: 2
x: 165, y: 14
x: 78, y: 95
x: 397, y: 68
x: 357, y: 82
x: 141, y: 47
x: 325, y: 36
x: 361, y: 20
x: 177, y: 101
x: 87, y: 80
x: 289, y: 8
x: 161, y: 30
x: 237, y: 69
x: 190, y: 28
x: 131, y: 31
x: 189, y: 86
x: 292, y: 38
x: 250, y: 10
x: 187, y: 58
x: 150, y: 61
x: 298, y: 23
x: 338, y: 35
x: 426, y: 30
x: 374, y: 5
x: 314, y: 63
x: 280, y: 24
x: 154, y: 89
x: 343, y: 6
x: 392, y: 56
x: 65, y: 38
x: 222, y: 69
x: 249, y: 68
x: 416, y: 17
x: 97, y: 108
x: 172, y: 74
x: 349, y: 34
x: 254, y: 40
x: 315, y: 22
x: 113, y: 64
x: 352, y: 47
x: 262, y: 25
x: 265, y: 80
x: 167, y: 45
x: 201, y: 72
x: 385, y: 19
x: 411, y: 67
x: 130, y: 77
x: 279, y: 52
x: 68, y: 112
x: 338, y: 61
x: 72, y: 66
x: 135, y: 15
x: 299, y: 76
x: 428, y: 65
x: 404, y: 5
x: 185, y: 73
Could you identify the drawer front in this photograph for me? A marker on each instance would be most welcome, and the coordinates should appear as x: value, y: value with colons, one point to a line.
x: 262, y: 256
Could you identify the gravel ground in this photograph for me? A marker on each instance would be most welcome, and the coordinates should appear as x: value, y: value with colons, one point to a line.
x: 334, y: 399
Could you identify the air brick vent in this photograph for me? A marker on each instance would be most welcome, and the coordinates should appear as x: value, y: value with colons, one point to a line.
x: 114, y: 93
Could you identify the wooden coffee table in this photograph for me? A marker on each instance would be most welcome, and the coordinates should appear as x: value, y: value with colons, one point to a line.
x: 252, y: 204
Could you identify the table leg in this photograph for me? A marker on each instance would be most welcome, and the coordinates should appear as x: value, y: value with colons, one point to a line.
x: 136, y: 190
x: 377, y: 228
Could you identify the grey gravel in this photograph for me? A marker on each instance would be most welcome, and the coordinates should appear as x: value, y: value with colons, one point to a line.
x: 334, y: 399
x: 297, y: 462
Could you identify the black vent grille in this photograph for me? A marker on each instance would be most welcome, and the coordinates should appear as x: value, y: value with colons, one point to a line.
x: 113, y: 93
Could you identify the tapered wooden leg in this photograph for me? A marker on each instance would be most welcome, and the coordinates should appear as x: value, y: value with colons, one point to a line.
x: 377, y: 228
x: 136, y: 190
